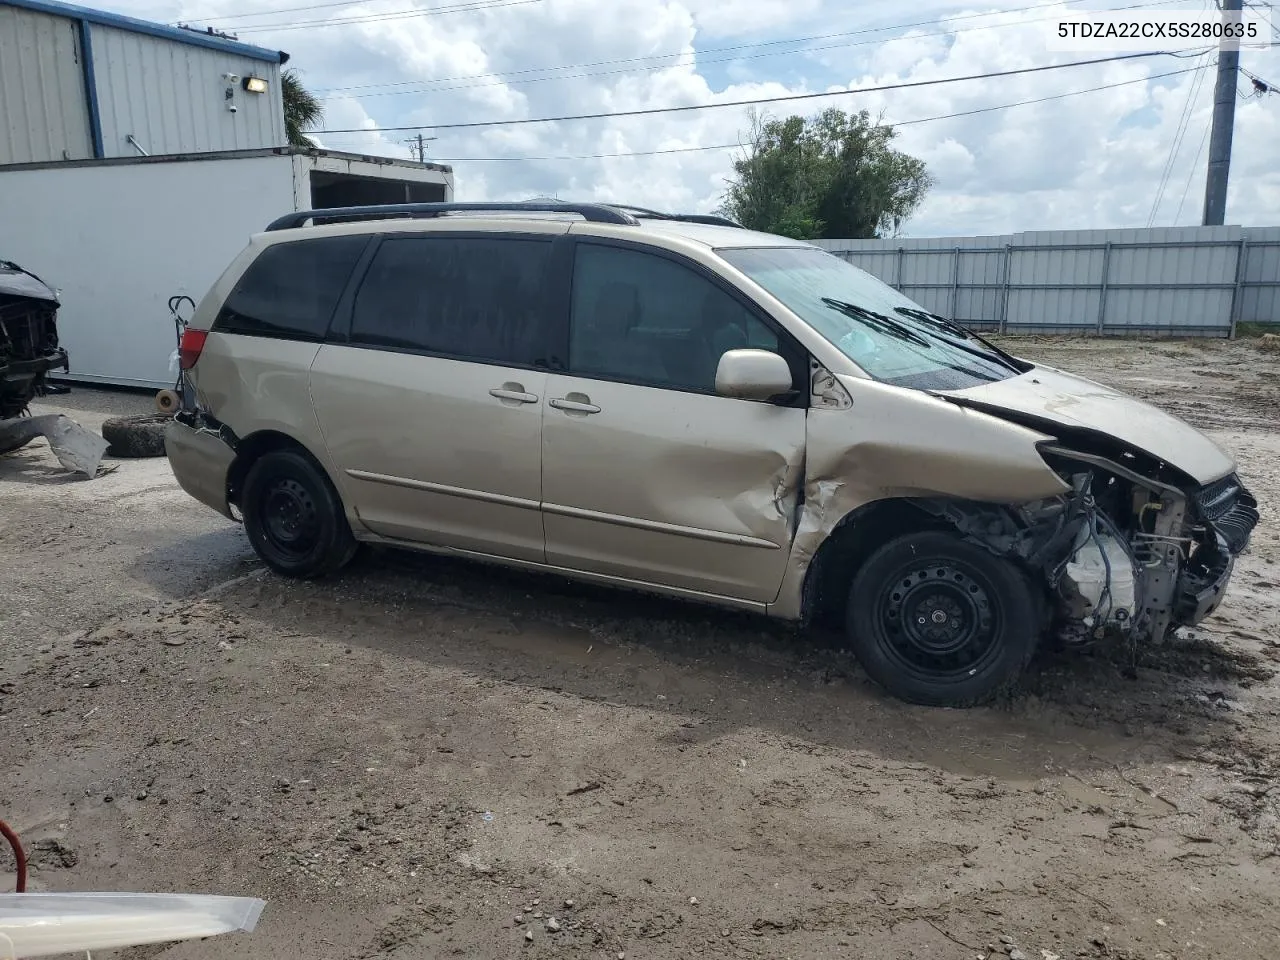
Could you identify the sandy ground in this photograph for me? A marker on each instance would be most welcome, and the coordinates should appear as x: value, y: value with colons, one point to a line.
x: 426, y: 758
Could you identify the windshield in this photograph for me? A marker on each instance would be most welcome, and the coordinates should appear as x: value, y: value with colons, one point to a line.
x: 888, y: 335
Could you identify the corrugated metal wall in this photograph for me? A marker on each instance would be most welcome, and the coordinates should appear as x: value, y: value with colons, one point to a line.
x: 1174, y: 281
x: 43, y: 111
x: 1260, y: 291
x: 171, y: 97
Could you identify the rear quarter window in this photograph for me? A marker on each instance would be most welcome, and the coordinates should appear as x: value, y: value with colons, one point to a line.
x: 291, y: 289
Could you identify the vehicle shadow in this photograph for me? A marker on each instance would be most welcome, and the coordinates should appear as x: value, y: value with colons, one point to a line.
x: 728, y: 672
x: 187, y: 564
x: 34, y: 464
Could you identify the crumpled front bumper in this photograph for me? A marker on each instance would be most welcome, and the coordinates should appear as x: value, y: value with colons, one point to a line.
x: 1231, y: 513
x: 1199, y: 596
x: 201, y: 461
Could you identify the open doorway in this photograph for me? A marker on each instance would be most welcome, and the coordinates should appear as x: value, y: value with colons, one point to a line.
x: 345, y: 190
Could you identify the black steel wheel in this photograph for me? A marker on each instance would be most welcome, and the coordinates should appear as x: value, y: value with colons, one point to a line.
x: 939, y: 621
x: 294, y: 517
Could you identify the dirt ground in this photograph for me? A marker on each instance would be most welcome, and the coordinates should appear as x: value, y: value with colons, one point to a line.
x: 428, y: 758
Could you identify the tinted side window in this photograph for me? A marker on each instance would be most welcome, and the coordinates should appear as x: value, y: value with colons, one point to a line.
x: 290, y: 290
x: 638, y: 316
x: 475, y: 298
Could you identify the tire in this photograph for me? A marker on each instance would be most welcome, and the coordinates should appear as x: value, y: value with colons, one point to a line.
x: 136, y: 436
x: 294, y: 516
x: 982, y: 623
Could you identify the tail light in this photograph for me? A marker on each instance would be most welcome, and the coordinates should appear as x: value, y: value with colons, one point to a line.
x: 189, y: 349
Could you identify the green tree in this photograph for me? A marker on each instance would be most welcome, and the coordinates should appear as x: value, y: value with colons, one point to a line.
x: 834, y: 175
x: 302, y: 110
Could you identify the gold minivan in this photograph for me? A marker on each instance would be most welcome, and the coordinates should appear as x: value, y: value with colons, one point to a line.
x: 675, y: 404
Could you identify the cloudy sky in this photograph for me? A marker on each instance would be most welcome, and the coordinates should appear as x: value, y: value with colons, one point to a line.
x: 1096, y: 159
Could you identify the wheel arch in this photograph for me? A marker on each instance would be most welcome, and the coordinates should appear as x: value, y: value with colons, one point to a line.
x: 253, y: 447
x: 849, y: 544
x: 861, y: 531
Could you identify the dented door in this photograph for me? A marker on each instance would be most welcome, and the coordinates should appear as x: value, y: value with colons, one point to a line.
x: 683, y: 490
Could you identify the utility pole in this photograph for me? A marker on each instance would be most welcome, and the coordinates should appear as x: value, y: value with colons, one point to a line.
x: 418, y: 146
x: 1224, y: 120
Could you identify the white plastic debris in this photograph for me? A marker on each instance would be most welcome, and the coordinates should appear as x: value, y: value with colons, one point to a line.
x: 77, y: 449
x: 48, y: 924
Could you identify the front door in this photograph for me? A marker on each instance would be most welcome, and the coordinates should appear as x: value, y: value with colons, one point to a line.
x: 432, y: 412
x: 648, y: 474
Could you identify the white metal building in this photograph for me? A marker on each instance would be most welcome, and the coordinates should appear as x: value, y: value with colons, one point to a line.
x: 137, y: 158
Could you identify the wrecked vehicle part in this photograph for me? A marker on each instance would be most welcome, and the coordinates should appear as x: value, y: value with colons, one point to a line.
x: 29, y: 347
x: 1088, y: 416
x: 1145, y: 556
x: 1184, y: 539
x: 202, y: 451
x: 77, y: 449
x: 1120, y: 555
x: 904, y: 446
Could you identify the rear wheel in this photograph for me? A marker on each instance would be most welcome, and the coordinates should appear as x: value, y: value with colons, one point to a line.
x: 294, y: 517
x: 942, y: 622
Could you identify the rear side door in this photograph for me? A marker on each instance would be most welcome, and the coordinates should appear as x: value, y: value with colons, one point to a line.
x: 649, y: 474
x: 430, y: 394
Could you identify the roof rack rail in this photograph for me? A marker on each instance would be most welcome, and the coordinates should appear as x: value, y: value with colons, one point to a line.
x: 708, y: 218
x: 593, y: 212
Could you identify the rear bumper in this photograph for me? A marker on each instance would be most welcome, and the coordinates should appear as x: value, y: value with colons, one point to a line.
x: 201, y: 461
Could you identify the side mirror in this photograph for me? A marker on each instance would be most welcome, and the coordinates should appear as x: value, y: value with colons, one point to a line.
x: 752, y: 375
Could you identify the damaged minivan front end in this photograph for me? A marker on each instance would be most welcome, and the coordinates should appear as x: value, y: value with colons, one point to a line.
x: 1156, y: 516
x: 962, y: 504
x: 1133, y: 550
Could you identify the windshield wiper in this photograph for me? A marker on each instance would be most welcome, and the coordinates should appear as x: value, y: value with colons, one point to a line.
x: 964, y: 333
x: 877, y: 321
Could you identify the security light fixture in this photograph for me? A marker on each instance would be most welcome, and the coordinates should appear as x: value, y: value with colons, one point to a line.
x: 255, y: 85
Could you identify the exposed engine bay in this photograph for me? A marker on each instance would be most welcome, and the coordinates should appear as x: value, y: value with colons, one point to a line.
x: 1131, y: 552
x: 29, y: 346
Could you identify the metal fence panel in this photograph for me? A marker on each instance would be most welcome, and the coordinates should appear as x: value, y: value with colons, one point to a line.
x: 1174, y: 281
x: 1259, y: 286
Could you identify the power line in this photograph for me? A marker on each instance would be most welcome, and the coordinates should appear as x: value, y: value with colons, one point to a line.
x: 376, y: 18
x: 1270, y: 8
x: 901, y: 123
x: 696, y: 58
x: 413, y: 13
x: 651, y: 111
x: 432, y: 11
x: 1184, y: 119
x: 1192, y: 172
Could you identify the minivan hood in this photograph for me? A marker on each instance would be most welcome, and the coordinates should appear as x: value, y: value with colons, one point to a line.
x: 1056, y: 397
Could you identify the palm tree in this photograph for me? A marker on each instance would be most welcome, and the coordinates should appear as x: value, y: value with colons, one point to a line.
x: 302, y: 111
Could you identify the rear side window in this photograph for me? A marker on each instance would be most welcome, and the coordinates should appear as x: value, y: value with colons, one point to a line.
x: 473, y: 298
x: 291, y: 289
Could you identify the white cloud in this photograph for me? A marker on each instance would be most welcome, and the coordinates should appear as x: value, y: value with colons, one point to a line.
x: 1093, y: 160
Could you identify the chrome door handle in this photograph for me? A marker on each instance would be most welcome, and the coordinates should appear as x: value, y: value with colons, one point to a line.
x: 574, y: 406
x: 517, y: 395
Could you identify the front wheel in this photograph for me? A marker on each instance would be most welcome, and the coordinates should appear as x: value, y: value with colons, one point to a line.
x: 941, y: 622
x: 294, y: 517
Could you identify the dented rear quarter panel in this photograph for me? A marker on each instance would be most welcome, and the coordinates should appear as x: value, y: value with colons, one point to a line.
x: 256, y: 384
x: 895, y: 443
